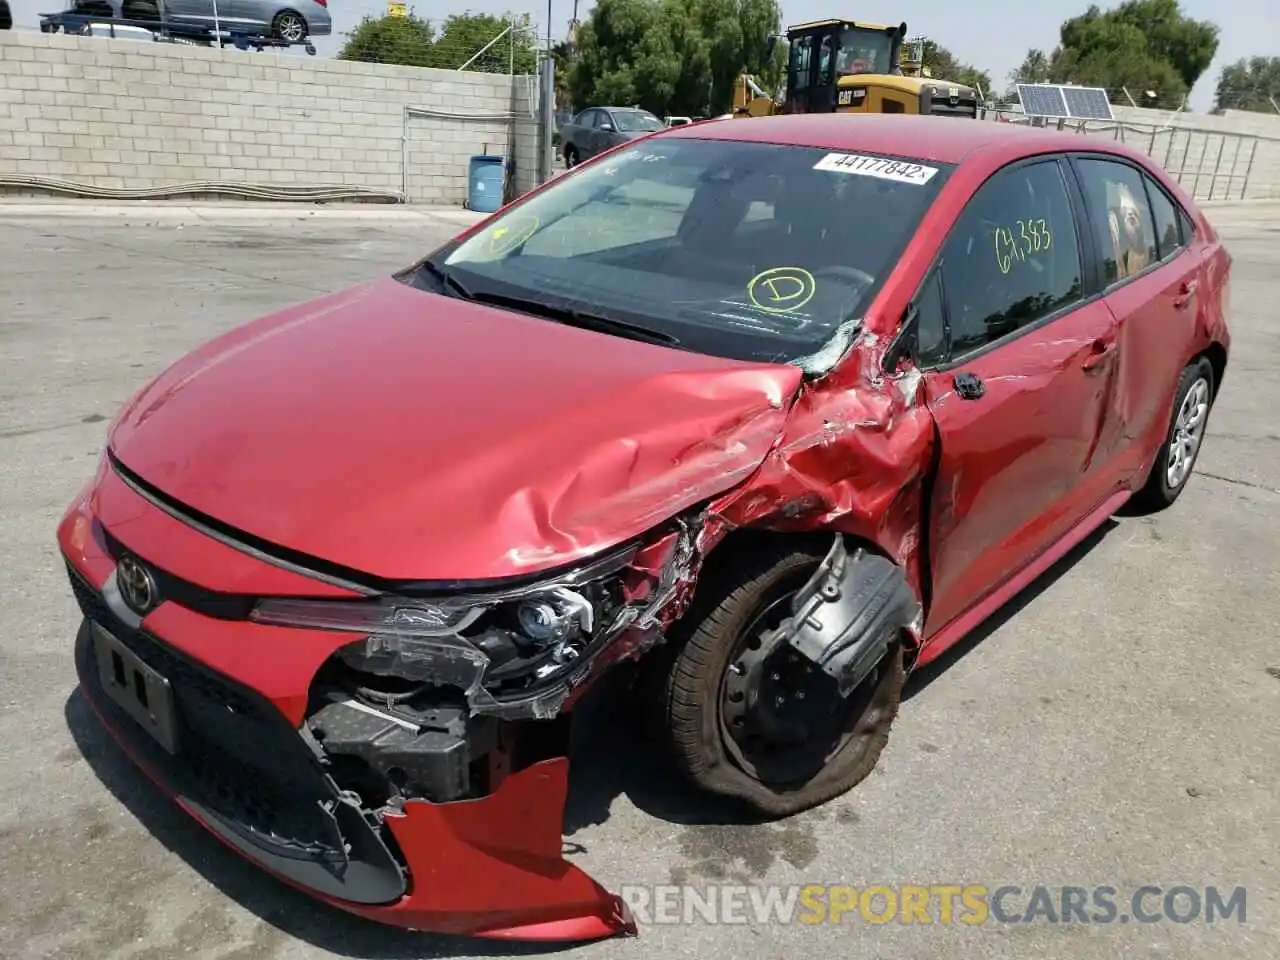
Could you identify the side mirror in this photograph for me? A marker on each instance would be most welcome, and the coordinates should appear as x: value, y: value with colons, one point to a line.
x: 769, y: 46
x: 607, y: 127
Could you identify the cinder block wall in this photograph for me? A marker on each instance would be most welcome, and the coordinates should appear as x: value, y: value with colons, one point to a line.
x: 123, y: 114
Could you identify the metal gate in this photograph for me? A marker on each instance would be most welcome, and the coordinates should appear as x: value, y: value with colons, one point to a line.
x: 1209, y: 164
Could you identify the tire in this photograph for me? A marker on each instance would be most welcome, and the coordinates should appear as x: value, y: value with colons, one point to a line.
x: 6, y: 16
x: 290, y: 26
x: 701, y: 717
x: 1175, y: 460
x: 570, y: 157
x: 141, y: 10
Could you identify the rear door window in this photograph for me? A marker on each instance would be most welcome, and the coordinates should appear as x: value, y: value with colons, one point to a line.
x: 1120, y: 217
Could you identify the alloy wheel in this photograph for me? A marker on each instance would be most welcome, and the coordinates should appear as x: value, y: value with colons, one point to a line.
x: 1188, y: 433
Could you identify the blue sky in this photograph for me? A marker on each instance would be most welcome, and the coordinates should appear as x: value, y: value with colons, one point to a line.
x: 993, y: 34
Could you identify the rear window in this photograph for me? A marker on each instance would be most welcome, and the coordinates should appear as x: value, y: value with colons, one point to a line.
x: 636, y: 121
x: 747, y: 250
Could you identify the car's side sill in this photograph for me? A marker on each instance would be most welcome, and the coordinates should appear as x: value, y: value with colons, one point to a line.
x: 954, y: 631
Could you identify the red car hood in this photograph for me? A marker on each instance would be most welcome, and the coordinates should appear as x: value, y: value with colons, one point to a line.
x: 413, y: 436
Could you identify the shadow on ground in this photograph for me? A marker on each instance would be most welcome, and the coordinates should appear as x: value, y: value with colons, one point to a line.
x: 614, y: 754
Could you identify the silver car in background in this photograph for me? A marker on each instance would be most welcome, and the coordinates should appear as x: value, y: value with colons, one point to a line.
x: 596, y: 129
x: 289, y: 20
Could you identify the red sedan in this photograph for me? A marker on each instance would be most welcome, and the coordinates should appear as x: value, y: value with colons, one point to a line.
x: 779, y: 408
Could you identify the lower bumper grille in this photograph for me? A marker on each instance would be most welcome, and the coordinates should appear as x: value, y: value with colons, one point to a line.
x: 242, y: 763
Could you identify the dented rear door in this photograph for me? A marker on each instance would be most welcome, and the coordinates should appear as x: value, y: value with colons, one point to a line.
x: 1151, y: 266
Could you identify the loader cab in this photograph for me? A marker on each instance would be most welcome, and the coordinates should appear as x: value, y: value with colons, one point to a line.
x: 824, y: 51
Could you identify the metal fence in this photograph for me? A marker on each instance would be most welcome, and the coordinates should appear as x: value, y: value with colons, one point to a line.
x: 1210, y: 164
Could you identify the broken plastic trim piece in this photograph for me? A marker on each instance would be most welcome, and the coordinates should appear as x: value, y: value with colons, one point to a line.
x: 850, y: 612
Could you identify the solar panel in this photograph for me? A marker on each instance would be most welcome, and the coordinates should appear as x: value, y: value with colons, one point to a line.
x: 1087, y: 103
x: 1042, y: 100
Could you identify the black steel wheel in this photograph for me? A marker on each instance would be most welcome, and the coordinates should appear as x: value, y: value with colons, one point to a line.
x: 750, y: 717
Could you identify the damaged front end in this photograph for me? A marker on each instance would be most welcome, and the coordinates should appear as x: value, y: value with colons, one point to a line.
x: 444, y: 728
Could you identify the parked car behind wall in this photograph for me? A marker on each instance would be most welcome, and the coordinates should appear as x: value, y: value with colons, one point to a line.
x: 596, y: 129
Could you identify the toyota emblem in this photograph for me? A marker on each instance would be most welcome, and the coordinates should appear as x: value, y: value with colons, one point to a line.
x: 137, y: 586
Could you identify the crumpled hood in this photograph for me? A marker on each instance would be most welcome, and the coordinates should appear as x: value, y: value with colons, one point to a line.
x: 413, y: 436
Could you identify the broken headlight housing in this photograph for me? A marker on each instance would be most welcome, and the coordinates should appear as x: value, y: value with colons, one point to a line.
x: 512, y: 652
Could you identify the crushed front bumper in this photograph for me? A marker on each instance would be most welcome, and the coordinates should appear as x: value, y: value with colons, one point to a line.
x: 486, y: 867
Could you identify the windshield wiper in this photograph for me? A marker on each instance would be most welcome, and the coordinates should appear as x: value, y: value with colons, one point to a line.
x: 573, y: 317
x: 446, y: 279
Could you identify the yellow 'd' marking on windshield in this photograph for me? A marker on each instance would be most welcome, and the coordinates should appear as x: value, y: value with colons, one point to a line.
x: 505, y: 238
x: 1020, y: 239
x: 781, y: 289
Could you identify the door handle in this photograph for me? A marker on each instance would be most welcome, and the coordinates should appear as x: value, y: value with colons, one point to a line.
x: 1101, y: 352
x: 1185, y: 293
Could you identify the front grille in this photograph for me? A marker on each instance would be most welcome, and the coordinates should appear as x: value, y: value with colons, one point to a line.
x: 240, y: 757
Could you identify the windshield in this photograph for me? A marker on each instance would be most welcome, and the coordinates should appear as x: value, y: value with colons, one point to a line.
x: 751, y: 251
x: 636, y: 121
x: 865, y: 51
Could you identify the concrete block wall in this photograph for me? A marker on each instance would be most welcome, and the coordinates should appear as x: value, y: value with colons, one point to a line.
x: 122, y: 114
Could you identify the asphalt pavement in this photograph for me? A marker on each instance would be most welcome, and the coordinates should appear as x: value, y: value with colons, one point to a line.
x: 1118, y: 726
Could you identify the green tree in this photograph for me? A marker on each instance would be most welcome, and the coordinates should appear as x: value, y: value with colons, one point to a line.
x: 464, y: 35
x: 562, y: 55
x: 677, y: 57
x: 1143, y: 46
x: 404, y: 40
x: 1034, y: 69
x: 943, y: 65
x: 413, y: 42
x: 1249, y: 84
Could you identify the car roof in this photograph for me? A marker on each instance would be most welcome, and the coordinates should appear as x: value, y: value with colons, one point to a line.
x: 940, y: 139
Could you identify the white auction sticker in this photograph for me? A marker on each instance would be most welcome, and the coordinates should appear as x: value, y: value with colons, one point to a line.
x: 903, y: 171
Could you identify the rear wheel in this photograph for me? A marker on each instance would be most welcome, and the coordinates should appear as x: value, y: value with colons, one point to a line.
x: 289, y: 26
x: 1177, y: 456
x: 751, y: 718
x: 6, y: 16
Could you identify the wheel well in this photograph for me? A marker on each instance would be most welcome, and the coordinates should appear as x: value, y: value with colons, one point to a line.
x: 1216, y: 354
x: 748, y: 539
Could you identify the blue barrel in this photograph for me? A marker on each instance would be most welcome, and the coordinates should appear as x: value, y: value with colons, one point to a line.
x: 484, y: 183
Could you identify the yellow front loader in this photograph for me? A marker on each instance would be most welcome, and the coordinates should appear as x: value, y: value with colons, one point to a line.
x: 846, y: 66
